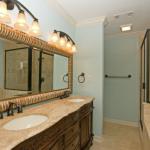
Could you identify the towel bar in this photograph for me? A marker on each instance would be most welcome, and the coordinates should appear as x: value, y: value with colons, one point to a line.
x: 125, y: 77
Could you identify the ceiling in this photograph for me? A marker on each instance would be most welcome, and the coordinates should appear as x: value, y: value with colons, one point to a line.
x: 81, y: 10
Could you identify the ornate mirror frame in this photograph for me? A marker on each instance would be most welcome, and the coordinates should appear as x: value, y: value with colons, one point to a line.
x: 9, y: 33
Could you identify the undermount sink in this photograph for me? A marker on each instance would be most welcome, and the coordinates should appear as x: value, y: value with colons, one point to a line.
x: 25, y: 122
x: 76, y: 100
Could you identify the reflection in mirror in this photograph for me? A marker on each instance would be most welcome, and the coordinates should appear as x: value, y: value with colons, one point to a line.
x: 16, y: 69
x: 25, y: 70
x: 47, y: 72
x: 13, y: 69
x: 60, y: 74
x: 35, y: 70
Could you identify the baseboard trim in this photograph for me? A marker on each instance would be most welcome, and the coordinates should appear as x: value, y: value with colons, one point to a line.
x: 97, y: 139
x: 122, y: 122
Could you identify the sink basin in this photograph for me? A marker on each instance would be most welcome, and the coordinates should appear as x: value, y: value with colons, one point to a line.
x: 76, y: 100
x: 25, y: 122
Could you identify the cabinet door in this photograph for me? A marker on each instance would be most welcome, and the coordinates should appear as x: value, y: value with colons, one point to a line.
x: 86, y: 130
x: 57, y: 146
x: 74, y: 145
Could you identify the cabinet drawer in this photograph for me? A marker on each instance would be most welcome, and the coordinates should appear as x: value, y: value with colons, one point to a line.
x: 74, y: 130
x: 74, y: 145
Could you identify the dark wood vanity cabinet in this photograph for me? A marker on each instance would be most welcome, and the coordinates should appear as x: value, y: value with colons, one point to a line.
x: 73, y: 132
x: 86, y: 127
x: 85, y: 131
x: 58, y: 145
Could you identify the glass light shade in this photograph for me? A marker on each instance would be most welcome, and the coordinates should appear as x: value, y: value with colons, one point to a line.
x: 35, y: 28
x: 4, y: 16
x: 54, y: 37
x: 62, y: 42
x: 21, y: 23
x: 74, y: 49
x: 69, y: 45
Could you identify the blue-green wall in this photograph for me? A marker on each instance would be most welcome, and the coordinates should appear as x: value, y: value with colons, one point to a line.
x: 89, y: 59
x: 60, y: 69
x: 121, y: 96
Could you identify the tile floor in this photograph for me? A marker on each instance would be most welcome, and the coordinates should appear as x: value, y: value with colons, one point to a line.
x: 119, y: 137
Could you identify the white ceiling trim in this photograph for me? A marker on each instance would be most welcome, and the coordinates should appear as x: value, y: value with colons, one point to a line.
x: 65, y: 14
x: 89, y: 21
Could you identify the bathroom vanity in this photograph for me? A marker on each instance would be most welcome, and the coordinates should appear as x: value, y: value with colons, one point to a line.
x: 68, y: 127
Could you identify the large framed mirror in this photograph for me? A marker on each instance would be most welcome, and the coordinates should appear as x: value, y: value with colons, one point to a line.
x: 28, y: 70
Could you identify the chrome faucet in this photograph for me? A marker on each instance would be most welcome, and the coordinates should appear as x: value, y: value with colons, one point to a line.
x: 12, y: 106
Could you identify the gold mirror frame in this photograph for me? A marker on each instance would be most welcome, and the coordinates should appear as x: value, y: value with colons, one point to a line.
x: 9, y: 33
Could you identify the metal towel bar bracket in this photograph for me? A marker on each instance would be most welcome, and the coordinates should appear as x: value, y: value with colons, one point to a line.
x: 124, y: 77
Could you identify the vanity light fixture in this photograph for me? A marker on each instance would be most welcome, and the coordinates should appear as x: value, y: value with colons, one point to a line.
x: 35, y: 28
x: 21, y: 22
x: 59, y: 38
x: 125, y: 28
x: 4, y: 16
x: 74, y: 50
x: 54, y: 38
x: 62, y: 39
x: 69, y: 45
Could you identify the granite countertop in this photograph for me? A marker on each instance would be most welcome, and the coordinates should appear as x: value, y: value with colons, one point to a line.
x: 55, y: 111
x: 147, y: 118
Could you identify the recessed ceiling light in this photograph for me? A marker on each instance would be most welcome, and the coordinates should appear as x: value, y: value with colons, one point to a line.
x: 125, y: 28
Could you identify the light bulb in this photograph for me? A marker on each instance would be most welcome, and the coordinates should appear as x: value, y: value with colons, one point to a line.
x: 74, y: 50
x: 62, y: 41
x: 21, y: 23
x: 69, y: 44
x: 54, y: 37
x: 35, y: 28
x: 4, y: 16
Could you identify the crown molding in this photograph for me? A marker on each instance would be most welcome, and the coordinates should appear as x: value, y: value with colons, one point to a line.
x: 63, y: 12
x: 89, y: 21
x: 70, y: 19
